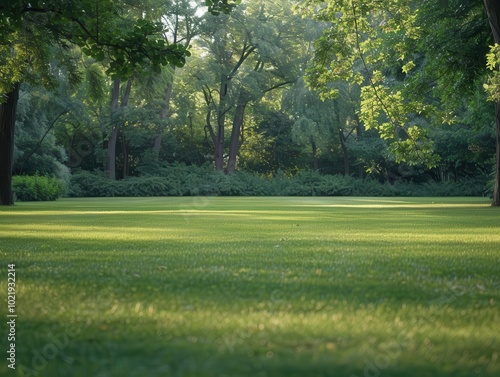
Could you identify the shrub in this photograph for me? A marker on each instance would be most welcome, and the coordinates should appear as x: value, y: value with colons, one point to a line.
x: 94, y: 184
x: 150, y: 186
x: 37, y: 188
x: 183, y: 180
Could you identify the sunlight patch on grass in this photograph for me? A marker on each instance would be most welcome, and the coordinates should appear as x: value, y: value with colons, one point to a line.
x: 102, y: 232
x: 252, y: 286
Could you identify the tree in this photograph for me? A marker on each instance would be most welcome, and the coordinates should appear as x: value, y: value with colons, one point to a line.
x: 223, y: 66
x: 28, y: 29
x: 182, y: 24
x: 117, y: 107
x: 247, y: 56
x: 412, y: 59
x: 326, y: 124
x: 493, y: 11
x: 39, y: 112
x: 269, y: 147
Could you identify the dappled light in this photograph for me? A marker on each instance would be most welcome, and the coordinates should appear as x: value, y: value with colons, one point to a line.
x: 242, y: 286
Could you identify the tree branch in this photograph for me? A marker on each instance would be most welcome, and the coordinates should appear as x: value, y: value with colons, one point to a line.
x: 43, y: 137
x: 372, y: 84
x: 281, y: 84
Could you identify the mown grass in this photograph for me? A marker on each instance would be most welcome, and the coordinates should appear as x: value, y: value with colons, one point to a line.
x: 254, y: 287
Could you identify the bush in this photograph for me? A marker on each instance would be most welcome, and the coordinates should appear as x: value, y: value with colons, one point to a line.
x: 183, y: 180
x: 94, y: 184
x: 150, y: 186
x: 37, y: 188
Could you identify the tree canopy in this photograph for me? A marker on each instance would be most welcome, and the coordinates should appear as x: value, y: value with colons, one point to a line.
x: 391, y: 90
x: 416, y: 62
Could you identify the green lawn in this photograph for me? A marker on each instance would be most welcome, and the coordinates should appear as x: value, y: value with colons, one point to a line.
x: 254, y: 287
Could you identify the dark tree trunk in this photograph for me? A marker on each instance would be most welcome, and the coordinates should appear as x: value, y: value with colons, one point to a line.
x: 345, y: 153
x: 157, y: 146
x: 314, y: 154
x: 219, y: 151
x: 112, y: 152
x: 496, y: 189
x: 221, y: 118
x: 359, y: 136
x: 7, y: 127
x: 115, y: 96
x: 493, y: 11
x: 125, y: 167
x: 342, y: 139
x: 164, y: 115
x: 234, y: 143
x: 113, y: 139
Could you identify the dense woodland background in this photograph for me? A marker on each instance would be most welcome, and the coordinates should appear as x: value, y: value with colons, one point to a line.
x: 264, y: 104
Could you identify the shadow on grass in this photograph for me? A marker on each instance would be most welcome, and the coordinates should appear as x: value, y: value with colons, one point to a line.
x: 153, y: 310
x: 168, y: 296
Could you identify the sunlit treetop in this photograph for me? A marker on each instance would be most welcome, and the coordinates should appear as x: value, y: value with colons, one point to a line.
x: 221, y: 6
x: 384, y: 47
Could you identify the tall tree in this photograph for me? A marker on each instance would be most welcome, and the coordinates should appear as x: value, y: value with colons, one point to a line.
x: 29, y: 28
x: 493, y: 11
x: 182, y: 23
x: 118, y: 104
x: 323, y: 124
x: 227, y: 56
x: 7, y: 121
x: 430, y: 47
x: 249, y: 55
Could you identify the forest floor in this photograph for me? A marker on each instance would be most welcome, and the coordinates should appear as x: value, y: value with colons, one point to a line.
x: 293, y: 287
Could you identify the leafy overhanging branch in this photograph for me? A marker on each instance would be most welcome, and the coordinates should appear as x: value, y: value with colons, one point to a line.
x: 360, y: 36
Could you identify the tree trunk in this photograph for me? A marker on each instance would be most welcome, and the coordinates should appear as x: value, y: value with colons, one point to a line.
x: 345, y: 153
x: 125, y: 167
x: 342, y: 139
x: 164, y: 115
x: 219, y: 151
x: 493, y: 11
x: 113, y: 139
x: 7, y: 128
x: 112, y: 152
x: 359, y: 137
x: 157, y: 146
x: 221, y: 118
x: 314, y: 154
x: 234, y: 144
x: 496, y: 189
x: 115, y: 96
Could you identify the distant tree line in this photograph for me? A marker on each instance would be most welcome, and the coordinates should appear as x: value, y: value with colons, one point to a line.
x: 287, y: 97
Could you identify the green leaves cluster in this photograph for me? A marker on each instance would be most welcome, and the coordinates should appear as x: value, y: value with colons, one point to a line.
x: 217, y: 7
x: 104, y: 30
x: 37, y: 188
x: 129, y: 50
x: 492, y: 87
x: 369, y: 44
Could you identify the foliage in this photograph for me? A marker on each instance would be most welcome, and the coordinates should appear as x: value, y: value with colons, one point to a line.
x: 225, y: 6
x: 409, y: 59
x: 243, y: 59
x: 37, y: 188
x: 261, y: 51
x: 269, y: 146
x: 36, y: 148
x: 492, y: 62
x: 100, y: 28
x: 183, y: 180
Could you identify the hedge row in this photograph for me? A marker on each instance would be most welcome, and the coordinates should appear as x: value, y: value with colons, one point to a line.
x: 37, y: 188
x: 182, y: 180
